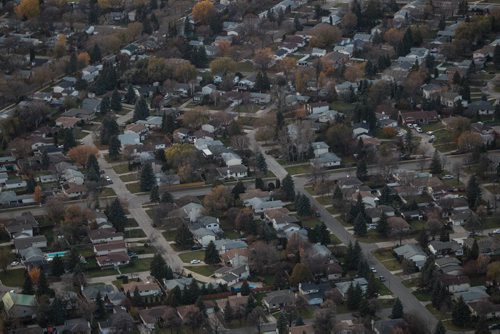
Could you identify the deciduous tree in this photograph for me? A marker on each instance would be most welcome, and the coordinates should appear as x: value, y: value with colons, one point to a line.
x: 80, y: 154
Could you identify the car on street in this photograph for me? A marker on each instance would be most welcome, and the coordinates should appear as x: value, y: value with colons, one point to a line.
x: 196, y: 247
x: 108, y: 179
x: 496, y: 231
x: 429, y: 133
x: 381, y: 278
x: 195, y: 262
x: 373, y: 270
x: 14, y: 263
x: 447, y: 177
x: 419, y: 130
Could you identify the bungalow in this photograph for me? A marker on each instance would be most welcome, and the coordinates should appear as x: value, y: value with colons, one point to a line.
x: 19, y: 306
x: 473, y: 294
x: 487, y: 246
x: 314, y: 293
x: 113, y: 259
x: 91, y: 105
x: 23, y: 225
x: 417, y: 117
x: 74, y: 190
x: 33, y: 256
x: 232, y: 275
x: 104, y: 235
x: 224, y: 245
x: 259, y: 205
x: 107, y: 292
x: 276, y: 300
x: 359, y: 129
x: 67, y: 122
x: 90, y: 72
x: 397, y: 226
x: 233, y: 172
x: 389, y: 326
x: 145, y: 289
x: 443, y: 248
x: 151, y: 317
x: 431, y: 91
x: 82, y: 114
x: 129, y: 138
x: 317, y: 107
x: 455, y: 283
x: 38, y: 241
x: 450, y: 99
x: 449, y: 266
x: 343, y: 287
x: 413, y: 253
x: 484, y: 308
x: 326, y: 160
x: 481, y: 108
x: 210, y: 223
x: 231, y: 159
x: 11, y: 184
x: 237, y: 303
x: 319, y: 148
x: 110, y: 247
x: 349, y: 182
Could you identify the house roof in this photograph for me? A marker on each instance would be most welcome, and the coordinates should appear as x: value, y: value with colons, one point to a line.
x: 109, y: 246
x: 23, y: 243
x: 279, y: 297
x: 11, y: 299
x: 151, y: 315
x: 112, y: 258
x: 104, y: 233
x: 328, y: 157
x: 141, y: 287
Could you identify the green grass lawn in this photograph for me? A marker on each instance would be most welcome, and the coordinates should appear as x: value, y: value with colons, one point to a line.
x: 411, y: 283
x: 392, y: 265
x: 150, y: 212
x: 196, y: 255
x: 422, y: 295
x: 169, y: 235
x: 12, y: 278
x: 384, y: 254
x: 203, y: 270
x: 107, y: 191
x: 229, y: 234
x: 371, y: 237
x: 310, y: 190
x: 121, y: 169
x: 129, y: 177
x: 134, y: 188
x: 137, y: 265
x: 298, y: 169
x: 324, y: 200
x: 136, y: 233
x: 131, y: 222
x: 333, y: 210
x: 310, y: 222
x: 342, y: 106
x: 335, y: 240
x: 247, y: 108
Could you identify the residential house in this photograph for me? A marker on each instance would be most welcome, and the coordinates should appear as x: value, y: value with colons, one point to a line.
x: 487, y: 246
x: 314, y: 293
x: 259, y: 205
x: 120, y: 321
x: 19, y: 306
x: 276, y: 300
x: 484, y: 308
x: 359, y: 129
x: 114, y: 259
x: 431, y: 91
x: 12, y: 184
x: 450, y: 99
x: 317, y: 107
x: 454, y: 283
x: 413, y: 253
x: 203, y: 236
x: 397, y: 226
x: 104, y: 235
x: 129, y: 138
x: 23, y: 225
x: 473, y: 294
x: 116, y: 246
x: 33, y: 256
x: 224, y: 245
x: 210, y: 223
x: 389, y: 326
x: 237, y: 303
x: 320, y: 148
x: 487, y: 133
x: 78, y: 325
x: 38, y: 241
x: 66, y: 122
x: 417, y: 117
x: 443, y: 248
x: 145, y: 289
x: 231, y: 159
x: 302, y: 329
x: 326, y: 160
x: 233, y: 172
x: 82, y: 114
x: 74, y: 190
x: 91, y: 104
x: 232, y: 275
x: 343, y: 287
x: 449, y: 266
x: 108, y: 292
x: 480, y: 108
x: 151, y: 317
x: 349, y: 182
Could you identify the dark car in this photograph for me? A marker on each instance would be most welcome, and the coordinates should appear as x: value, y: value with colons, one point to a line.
x: 196, y: 247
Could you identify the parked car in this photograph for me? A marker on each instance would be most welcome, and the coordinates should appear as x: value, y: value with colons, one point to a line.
x: 381, y: 278
x: 108, y: 179
x: 373, y: 270
x: 448, y: 177
x: 196, y: 247
x: 430, y: 133
x: 195, y: 261
x: 496, y: 231
x: 419, y: 130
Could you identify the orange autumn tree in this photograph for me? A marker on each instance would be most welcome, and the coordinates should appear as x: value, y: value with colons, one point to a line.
x: 28, y: 9
x: 34, y: 274
x: 80, y: 154
x: 37, y: 194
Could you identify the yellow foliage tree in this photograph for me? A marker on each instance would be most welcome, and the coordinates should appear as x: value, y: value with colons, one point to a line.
x: 28, y: 9
x: 222, y: 65
x: 80, y: 154
x: 37, y: 194
x: 218, y: 200
x: 60, y: 46
x: 83, y: 59
x: 202, y: 11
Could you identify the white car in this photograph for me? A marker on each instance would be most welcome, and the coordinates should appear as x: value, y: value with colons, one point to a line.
x: 373, y: 270
x: 419, y: 130
x: 448, y: 177
x: 429, y: 133
x: 497, y: 231
x: 195, y: 261
x: 14, y: 263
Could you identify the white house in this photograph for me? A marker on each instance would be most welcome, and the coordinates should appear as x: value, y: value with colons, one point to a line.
x: 231, y: 159
x: 327, y: 160
x: 319, y: 148
x: 14, y: 184
x: 203, y: 236
x: 235, y: 172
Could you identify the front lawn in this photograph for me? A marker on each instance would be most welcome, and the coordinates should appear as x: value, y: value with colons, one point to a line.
x: 411, y: 283
x: 310, y: 222
x: 384, y: 254
x: 135, y: 233
x: 205, y: 270
x: 121, y: 169
x: 129, y: 177
x: 12, y: 278
x: 195, y: 255
x: 169, y: 235
x: 324, y: 200
x: 131, y: 222
x: 107, y: 191
x: 392, y: 265
x: 134, y: 188
x: 137, y: 265
x: 422, y: 296
x: 298, y: 169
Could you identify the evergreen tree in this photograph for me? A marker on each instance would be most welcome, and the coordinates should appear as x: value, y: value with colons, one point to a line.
x: 116, y: 101
x: 362, y: 170
x: 354, y: 297
x: 303, y: 205
x: 382, y: 226
x: 288, y: 188
x: 100, y: 309
x: 323, y: 235
x: 239, y: 188
x: 109, y: 129
x: 473, y: 253
x: 43, y: 285
x: 397, y: 310
x: 280, y: 121
x: 216, y: 23
x: 360, y: 228
x: 211, y: 254
x: 130, y: 95
x: 92, y: 169
x: 116, y: 215
x: 440, y: 329
x: 473, y: 192
x: 228, y: 312
x: 188, y: 29
x: 69, y: 140
x: 261, y: 163
x: 460, y: 315
x: 45, y: 161
x: 114, y: 148
x: 251, y: 304
x: 496, y: 56
x: 154, y: 22
x: 282, y: 324
x: 146, y: 26
x: 57, y: 312
x: 95, y: 54
x: 72, y: 65
x: 57, y: 266
x: 105, y: 105
x: 28, y: 288
x: 73, y: 259
x: 184, y: 237
x: 141, y: 111
x: 154, y: 195
x: 30, y: 185
x: 168, y: 123
x: 245, y: 288
x: 436, y: 166
x: 93, y: 14
x: 167, y: 197
x: 296, y: 22
x: 423, y: 239
x: 147, y: 178
x: 442, y: 23
x: 159, y: 269
x: 372, y: 287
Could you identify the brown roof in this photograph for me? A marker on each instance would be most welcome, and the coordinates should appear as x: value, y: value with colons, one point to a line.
x: 236, y: 302
x: 134, y: 127
x: 484, y: 307
x: 103, y: 233
x: 71, y: 188
x: 130, y: 287
x: 397, y: 223
x: 448, y: 280
x: 183, y: 311
x: 112, y: 258
x: 151, y: 315
x: 276, y: 213
x: 304, y: 329
x: 112, y: 245
x: 67, y: 122
x: 409, y: 116
x: 254, y: 193
x: 230, y: 254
